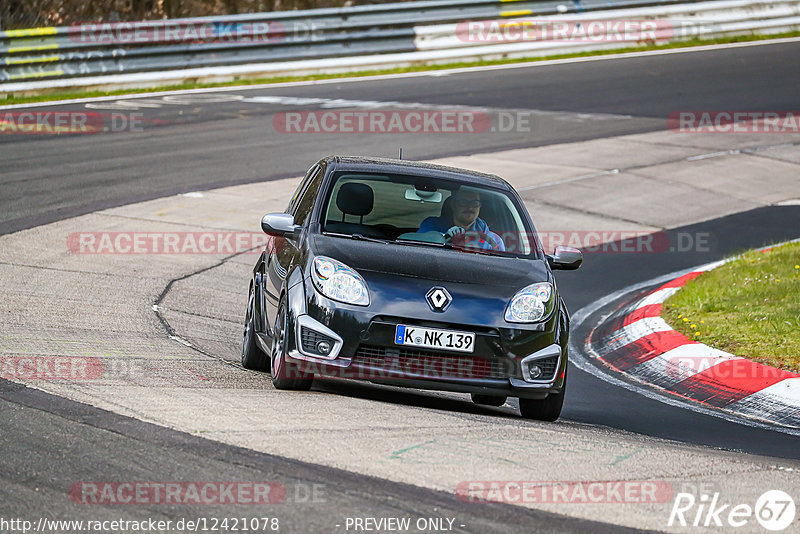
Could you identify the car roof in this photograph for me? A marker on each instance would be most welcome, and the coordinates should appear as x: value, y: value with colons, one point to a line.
x: 415, y: 168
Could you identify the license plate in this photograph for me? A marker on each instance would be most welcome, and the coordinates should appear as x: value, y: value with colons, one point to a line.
x: 434, y: 338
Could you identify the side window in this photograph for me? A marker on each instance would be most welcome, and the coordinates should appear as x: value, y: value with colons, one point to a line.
x: 292, y: 207
x: 305, y: 202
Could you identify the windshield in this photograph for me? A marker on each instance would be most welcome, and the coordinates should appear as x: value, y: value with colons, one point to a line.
x: 425, y: 211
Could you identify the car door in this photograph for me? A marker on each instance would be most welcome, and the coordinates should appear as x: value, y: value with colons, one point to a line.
x: 284, y: 253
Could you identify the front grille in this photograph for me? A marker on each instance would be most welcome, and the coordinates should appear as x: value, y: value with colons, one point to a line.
x: 411, y: 363
x: 549, y: 366
x: 309, y: 339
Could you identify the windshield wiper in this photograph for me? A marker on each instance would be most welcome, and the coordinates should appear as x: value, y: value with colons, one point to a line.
x: 360, y: 237
x: 415, y: 242
x: 471, y: 250
x: 491, y: 253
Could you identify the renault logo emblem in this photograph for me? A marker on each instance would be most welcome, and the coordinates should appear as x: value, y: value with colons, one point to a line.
x: 438, y: 299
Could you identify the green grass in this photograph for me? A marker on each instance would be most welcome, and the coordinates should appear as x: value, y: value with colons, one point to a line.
x: 749, y: 307
x: 52, y: 95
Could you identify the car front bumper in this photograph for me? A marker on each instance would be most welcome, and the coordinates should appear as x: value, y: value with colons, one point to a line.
x: 362, y: 347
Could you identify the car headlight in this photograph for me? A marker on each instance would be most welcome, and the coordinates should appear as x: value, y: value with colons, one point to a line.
x: 339, y: 282
x: 531, y: 304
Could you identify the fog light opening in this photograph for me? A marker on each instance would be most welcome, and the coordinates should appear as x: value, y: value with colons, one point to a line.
x: 324, y: 348
x: 534, y: 371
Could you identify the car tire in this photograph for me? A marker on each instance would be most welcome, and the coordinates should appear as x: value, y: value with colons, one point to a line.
x: 253, y: 357
x: 488, y: 400
x: 546, y: 409
x: 285, y: 375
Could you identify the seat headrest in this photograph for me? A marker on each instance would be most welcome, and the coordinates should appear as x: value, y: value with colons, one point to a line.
x: 355, y: 199
x: 447, y: 208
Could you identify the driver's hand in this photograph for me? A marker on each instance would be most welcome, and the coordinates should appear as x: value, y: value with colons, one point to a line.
x: 454, y: 231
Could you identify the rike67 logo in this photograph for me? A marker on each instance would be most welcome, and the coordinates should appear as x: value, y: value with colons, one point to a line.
x: 774, y: 510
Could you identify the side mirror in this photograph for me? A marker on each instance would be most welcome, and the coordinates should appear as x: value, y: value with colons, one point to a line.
x: 565, y: 258
x: 279, y: 225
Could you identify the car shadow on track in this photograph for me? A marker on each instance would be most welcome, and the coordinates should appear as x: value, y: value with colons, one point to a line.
x: 410, y: 397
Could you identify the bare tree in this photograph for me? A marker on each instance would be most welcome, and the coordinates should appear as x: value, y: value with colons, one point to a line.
x: 15, y: 14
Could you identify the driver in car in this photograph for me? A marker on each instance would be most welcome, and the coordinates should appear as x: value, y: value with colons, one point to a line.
x: 466, y: 206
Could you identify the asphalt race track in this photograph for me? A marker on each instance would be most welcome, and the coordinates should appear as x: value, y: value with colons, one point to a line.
x: 226, y: 143
x: 194, y: 143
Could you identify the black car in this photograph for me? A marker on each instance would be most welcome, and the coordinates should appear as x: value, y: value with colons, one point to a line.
x: 410, y: 274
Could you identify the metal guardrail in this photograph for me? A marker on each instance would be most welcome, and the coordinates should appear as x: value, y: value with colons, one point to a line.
x: 321, y: 39
x: 668, y: 23
x: 104, y: 48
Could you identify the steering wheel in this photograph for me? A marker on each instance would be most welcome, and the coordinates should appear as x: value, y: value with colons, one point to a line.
x: 467, y: 240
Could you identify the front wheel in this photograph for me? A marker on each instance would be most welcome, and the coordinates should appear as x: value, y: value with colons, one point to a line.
x: 253, y: 357
x: 546, y: 409
x: 285, y: 375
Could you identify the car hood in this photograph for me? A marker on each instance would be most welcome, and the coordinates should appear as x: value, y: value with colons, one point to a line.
x: 499, y: 276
